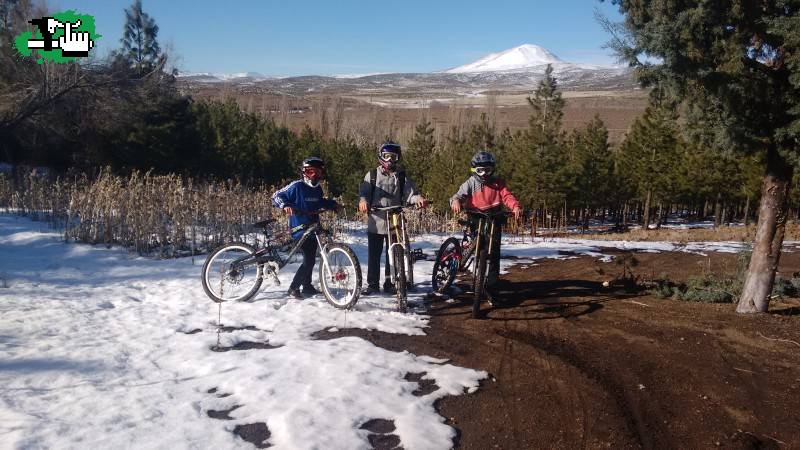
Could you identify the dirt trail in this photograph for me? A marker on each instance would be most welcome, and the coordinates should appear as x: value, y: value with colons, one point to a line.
x: 574, y: 365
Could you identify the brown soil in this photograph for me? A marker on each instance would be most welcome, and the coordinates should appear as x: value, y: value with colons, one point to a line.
x: 574, y: 365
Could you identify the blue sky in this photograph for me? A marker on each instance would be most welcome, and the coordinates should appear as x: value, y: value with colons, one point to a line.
x: 349, y: 37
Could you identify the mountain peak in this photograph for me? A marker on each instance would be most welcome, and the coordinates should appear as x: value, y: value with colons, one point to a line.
x: 520, y: 57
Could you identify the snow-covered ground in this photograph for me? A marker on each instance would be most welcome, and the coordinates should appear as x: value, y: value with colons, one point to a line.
x: 102, y: 349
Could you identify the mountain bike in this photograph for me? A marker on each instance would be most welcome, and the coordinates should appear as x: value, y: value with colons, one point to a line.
x: 484, y: 232
x: 400, y: 259
x: 235, y: 271
x: 455, y: 255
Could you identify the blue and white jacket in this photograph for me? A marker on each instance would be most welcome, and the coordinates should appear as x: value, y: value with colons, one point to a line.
x: 305, y: 200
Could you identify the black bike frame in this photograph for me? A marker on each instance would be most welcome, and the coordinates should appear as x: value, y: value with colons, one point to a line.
x: 270, y: 252
x: 485, y: 220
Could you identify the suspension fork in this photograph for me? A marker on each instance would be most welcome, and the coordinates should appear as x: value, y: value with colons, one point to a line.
x: 392, y: 241
x: 477, y: 247
x: 407, y: 259
x: 323, y: 251
x: 491, y: 240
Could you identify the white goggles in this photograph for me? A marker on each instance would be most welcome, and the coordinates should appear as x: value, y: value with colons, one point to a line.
x: 389, y: 156
x: 483, y: 171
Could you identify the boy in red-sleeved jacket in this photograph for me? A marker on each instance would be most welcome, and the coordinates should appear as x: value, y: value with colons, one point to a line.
x: 484, y: 192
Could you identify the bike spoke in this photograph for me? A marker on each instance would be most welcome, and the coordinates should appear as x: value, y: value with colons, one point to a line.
x: 228, y: 280
x: 340, y: 280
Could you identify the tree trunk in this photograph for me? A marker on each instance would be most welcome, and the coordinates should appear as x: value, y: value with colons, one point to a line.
x: 625, y: 212
x: 718, y: 211
x: 646, y: 212
x: 660, y: 215
x: 769, y: 235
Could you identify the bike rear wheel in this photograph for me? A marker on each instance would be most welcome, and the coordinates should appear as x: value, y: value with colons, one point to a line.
x: 479, y: 283
x: 401, y: 287
x: 226, y: 279
x: 448, y: 259
x: 341, y: 277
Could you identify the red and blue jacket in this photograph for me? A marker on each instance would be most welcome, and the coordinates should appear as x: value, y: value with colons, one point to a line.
x: 305, y: 200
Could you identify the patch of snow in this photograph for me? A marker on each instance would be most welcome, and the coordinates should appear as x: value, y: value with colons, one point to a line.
x: 101, y: 349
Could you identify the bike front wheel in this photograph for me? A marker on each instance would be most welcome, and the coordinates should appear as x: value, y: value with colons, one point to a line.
x: 446, y: 266
x: 230, y: 273
x: 479, y: 283
x: 401, y: 287
x: 340, y: 278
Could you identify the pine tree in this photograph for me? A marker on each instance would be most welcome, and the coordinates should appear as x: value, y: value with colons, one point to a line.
x: 140, y: 49
x: 592, y: 167
x: 539, y: 154
x: 419, y: 154
x: 649, y: 153
x: 449, y: 168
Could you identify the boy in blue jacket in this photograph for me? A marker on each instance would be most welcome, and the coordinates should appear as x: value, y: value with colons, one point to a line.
x: 302, y: 200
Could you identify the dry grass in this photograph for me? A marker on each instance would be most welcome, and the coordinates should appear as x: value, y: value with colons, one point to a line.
x: 168, y: 215
x: 164, y: 215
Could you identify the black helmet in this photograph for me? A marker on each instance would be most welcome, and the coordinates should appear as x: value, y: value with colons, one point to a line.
x: 482, y: 164
x: 482, y: 159
x: 388, y: 154
x: 313, y: 170
x: 313, y: 161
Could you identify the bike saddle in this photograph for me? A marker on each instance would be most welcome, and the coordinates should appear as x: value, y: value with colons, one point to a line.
x: 464, y: 223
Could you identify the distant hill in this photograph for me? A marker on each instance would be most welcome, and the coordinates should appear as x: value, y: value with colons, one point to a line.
x: 514, y: 70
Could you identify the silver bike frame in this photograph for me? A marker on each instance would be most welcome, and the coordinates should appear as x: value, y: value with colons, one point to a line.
x: 404, y: 246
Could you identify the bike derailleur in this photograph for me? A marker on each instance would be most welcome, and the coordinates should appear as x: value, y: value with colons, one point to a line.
x: 272, y: 270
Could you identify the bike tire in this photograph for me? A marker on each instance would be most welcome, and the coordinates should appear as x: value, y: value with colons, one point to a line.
x: 335, y: 250
x: 444, y: 272
x: 210, y: 270
x: 479, y: 283
x: 401, y: 287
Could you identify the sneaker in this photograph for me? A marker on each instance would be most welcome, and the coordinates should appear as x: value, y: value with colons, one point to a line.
x: 388, y: 287
x: 310, y: 291
x: 371, y: 290
x: 295, y: 293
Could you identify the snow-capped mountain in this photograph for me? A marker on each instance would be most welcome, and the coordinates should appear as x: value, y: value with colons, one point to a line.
x: 209, y: 77
x: 518, y: 69
x: 522, y: 57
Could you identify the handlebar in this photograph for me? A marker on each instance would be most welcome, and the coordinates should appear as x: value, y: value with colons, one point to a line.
x: 488, y: 215
x: 388, y: 208
x: 300, y: 212
x: 397, y: 207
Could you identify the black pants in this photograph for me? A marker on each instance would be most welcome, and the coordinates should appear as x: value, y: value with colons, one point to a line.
x: 303, y: 275
x: 375, y: 244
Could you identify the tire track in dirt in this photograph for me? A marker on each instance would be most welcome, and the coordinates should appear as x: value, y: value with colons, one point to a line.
x: 550, y: 370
